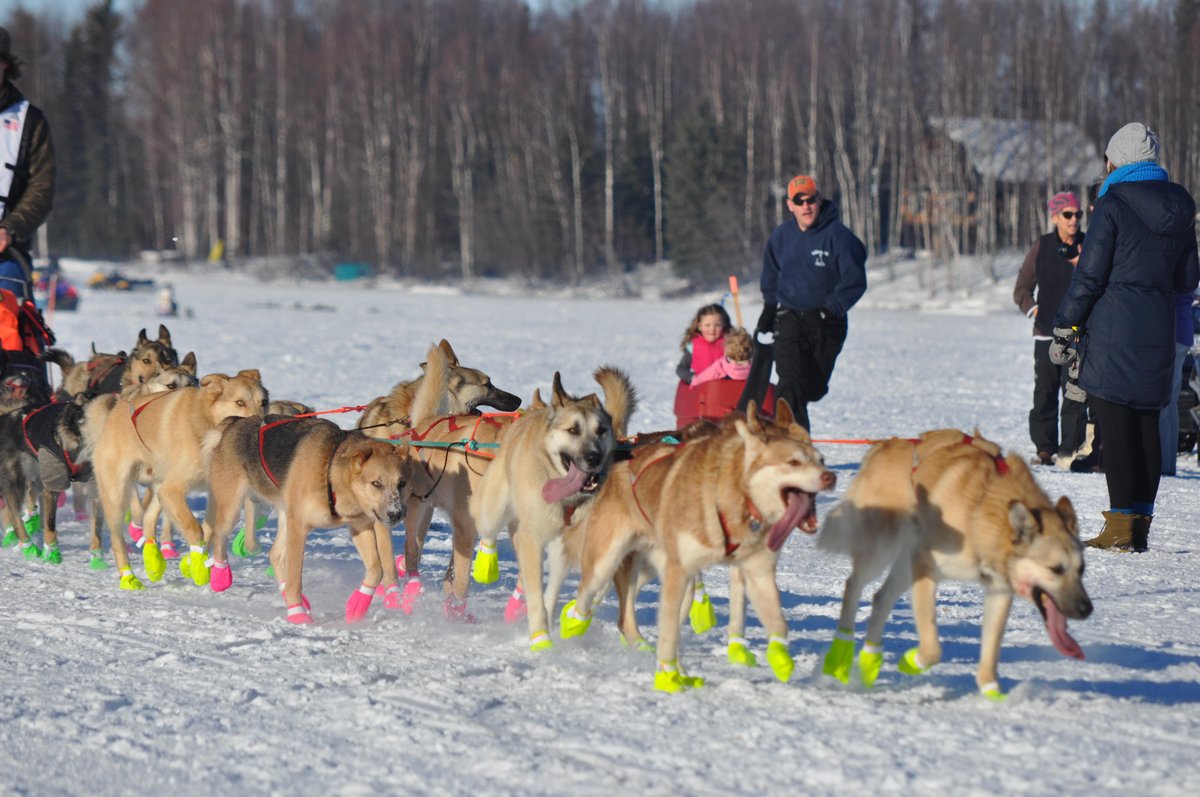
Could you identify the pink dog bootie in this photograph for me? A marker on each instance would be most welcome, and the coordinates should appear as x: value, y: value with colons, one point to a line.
x: 297, y: 614
x: 390, y: 595
x: 358, y: 603
x: 221, y: 577
x: 413, y: 589
x: 516, y: 608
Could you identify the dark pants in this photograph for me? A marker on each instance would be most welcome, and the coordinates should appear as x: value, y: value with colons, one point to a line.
x: 1048, y: 382
x: 1132, y: 452
x: 806, y: 348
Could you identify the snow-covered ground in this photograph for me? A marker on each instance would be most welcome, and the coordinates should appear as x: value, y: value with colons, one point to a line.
x: 180, y: 689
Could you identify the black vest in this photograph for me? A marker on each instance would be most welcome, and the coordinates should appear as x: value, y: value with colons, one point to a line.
x: 1053, y: 277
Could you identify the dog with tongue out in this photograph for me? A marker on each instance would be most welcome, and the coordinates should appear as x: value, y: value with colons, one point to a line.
x: 551, y: 460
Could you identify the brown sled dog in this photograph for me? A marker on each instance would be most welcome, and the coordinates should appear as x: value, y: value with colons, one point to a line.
x: 731, y: 497
x: 948, y: 507
x: 551, y: 461
x: 319, y: 476
x: 161, y: 435
x: 112, y: 373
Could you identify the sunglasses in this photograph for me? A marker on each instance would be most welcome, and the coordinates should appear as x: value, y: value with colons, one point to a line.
x: 1072, y: 214
x: 802, y: 201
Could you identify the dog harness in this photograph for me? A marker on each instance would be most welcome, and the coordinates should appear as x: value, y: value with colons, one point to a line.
x: 730, y: 545
x: 262, y: 458
x: 43, y: 435
x: 136, y: 411
x: 103, y: 382
x: 998, y: 459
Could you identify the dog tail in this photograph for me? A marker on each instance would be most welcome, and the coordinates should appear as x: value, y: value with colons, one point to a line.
x: 432, y: 397
x: 620, y: 397
x: 61, y: 358
x: 95, y: 413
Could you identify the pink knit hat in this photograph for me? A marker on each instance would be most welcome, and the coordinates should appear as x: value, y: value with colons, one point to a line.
x: 1061, y: 201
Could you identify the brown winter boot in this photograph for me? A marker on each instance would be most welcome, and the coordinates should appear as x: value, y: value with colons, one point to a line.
x: 1141, y: 533
x: 1117, y: 533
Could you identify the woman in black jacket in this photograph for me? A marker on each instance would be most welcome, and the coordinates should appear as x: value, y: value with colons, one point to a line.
x: 1118, y: 314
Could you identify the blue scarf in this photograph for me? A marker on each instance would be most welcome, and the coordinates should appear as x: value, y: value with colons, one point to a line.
x: 1134, y: 173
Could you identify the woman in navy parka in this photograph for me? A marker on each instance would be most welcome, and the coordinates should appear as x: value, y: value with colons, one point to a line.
x: 1139, y: 253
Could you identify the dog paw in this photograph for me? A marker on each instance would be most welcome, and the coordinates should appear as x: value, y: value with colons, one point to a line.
x: 780, y: 660
x: 669, y: 677
x: 572, y: 622
x: 51, y: 555
x: 152, y: 560
x: 390, y: 595
x: 167, y: 549
x: 412, y: 590
x: 486, y: 567
x: 220, y: 577
x: 739, y: 654
x: 516, y: 608
x: 30, y: 551
x: 456, y: 611
x: 701, y: 616
x: 910, y: 663
x: 540, y: 641
x: 870, y: 661
x: 194, y: 565
x: 991, y: 691
x: 840, y: 657
x: 358, y: 603
x: 10, y: 539
x: 135, y: 532
x: 639, y: 644
x: 130, y: 582
x: 96, y: 561
x: 298, y: 614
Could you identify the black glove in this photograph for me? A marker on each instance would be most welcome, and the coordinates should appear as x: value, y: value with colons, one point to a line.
x: 1062, y: 348
x: 766, y: 321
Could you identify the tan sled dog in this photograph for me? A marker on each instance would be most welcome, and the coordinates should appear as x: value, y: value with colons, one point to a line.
x: 732, y: 497
x: 466, y: 389
x: 161, y: 435
x: 318, y: 476
x: 949, y: 507
x: 110, y: 373
x: 551, y: 460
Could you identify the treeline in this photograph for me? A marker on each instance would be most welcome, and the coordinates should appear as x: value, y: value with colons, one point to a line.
x: 468, y: 137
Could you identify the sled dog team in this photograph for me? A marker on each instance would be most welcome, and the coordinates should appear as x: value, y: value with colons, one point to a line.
x: 565, y: 480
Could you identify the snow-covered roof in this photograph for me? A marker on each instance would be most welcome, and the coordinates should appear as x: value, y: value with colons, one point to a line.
x: 1020, y: 151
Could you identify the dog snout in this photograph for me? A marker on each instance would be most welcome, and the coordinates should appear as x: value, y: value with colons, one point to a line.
x: 592, y: 459
x: 828, y: 480
x: 396, y: 514
x: 1084, y: 607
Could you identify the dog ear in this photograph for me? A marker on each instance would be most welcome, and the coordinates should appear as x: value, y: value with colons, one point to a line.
x: 444, y: 345
x: 783, y: 414
x: 536, y: 402
x: 188, y: 363
x: 142, y: 339
x: 214, y: 379
x: 1067, y: 512
x: 250, y: 373
x: 753, y: 422
x: 559, y: 397
x: 164, y: 336
x: 1024, y: 524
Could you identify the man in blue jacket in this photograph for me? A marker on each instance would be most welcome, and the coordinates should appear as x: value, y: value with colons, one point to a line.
x: 814, y: 270
x: 1119, y: 315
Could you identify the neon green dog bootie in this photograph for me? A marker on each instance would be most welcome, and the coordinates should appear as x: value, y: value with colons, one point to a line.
x: 870, y: 661
x: 992, y: 692
x: 840, y: 656
x: 540, y: 641
x: 739, y: 653
x: 10, y: 538
x: 701, y: 615
x: 910, y: 663
x: 486, y: 568
x: 573, y: 623
x: 669, y: 677
x: 780, y: 660
x: 194, y: 565
x: 30, y: 551
x: 96, y: 560
x: 130, y: 582
x: 152, y: 560
x: 51, y: 555
x: 238, y: 546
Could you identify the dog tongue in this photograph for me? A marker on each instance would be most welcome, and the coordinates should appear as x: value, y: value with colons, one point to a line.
x: 1056, y: 627
x: 798, y: 506
x: 564, y: 486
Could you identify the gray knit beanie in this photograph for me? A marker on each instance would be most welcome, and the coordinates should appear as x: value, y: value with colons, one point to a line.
x: 1133, y: 143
